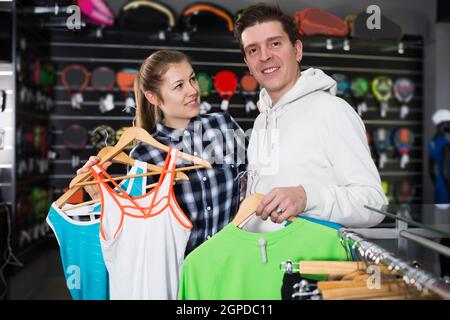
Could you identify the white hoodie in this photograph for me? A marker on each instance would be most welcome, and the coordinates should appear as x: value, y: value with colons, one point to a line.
x: 312, y: 138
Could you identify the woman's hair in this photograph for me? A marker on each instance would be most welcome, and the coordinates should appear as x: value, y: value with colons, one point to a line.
x: 150, y: 79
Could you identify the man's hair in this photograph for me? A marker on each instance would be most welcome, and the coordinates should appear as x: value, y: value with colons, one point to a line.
x: 260, y: 13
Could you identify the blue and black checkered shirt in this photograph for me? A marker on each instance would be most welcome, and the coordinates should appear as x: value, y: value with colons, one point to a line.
x: 210, y: 198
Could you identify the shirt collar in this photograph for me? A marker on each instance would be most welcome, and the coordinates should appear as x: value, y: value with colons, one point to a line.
x: 163, y: 130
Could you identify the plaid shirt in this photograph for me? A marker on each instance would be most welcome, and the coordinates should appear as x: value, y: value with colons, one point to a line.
x: 211, y: 197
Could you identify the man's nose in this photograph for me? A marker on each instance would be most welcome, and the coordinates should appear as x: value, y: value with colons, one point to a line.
x: 265, y: 54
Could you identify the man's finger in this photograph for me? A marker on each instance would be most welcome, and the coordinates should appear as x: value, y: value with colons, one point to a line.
x: 289, y: 212
x: 272, y: 207
x: 274, y: 217
x: 264, y: 202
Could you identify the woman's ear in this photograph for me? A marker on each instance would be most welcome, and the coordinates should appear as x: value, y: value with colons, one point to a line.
x: 152, y: 98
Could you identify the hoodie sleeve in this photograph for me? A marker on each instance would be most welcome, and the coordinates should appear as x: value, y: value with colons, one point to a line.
x: 359, y: 181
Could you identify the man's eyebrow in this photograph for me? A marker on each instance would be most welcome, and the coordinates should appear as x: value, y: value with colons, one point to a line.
x: 181, y: 80
x: 274, y: 38
x: 268, y: 39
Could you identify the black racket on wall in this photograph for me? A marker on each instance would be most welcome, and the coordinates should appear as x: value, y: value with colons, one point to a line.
x: 103, y: 80
x: 75, y: 79
x: 75, y: 139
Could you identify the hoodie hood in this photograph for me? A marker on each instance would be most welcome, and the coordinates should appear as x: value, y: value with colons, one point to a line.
x: 310, y: 81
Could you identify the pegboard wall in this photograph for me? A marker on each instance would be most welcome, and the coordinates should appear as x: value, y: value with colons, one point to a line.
x: 210, y: 54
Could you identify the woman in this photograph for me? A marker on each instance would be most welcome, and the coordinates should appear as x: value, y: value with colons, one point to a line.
x: 167, y: 106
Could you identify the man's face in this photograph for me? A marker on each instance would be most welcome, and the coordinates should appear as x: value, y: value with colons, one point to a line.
x: 271, y: 57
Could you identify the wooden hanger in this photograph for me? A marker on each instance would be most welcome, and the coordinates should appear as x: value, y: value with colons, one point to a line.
x: 139, y: 134
x: 392, y: 289
x: 86, y: 183
x: 336, y: 268
x: 247, y: 210
x: 125, y: 159
x: 90, y: 202
x: 129, y: 135
x: 342, y: 284
x: 363, y: 292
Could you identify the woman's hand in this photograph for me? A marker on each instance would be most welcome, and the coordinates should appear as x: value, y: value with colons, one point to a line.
x: 92, y: 190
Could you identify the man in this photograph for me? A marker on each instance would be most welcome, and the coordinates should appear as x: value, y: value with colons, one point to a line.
x: 308, y: 151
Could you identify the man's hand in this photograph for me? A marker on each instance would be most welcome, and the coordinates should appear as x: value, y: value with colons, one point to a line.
x: 282, y: 203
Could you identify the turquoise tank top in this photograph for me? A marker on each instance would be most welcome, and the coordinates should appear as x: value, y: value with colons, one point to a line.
x: 79, y: 242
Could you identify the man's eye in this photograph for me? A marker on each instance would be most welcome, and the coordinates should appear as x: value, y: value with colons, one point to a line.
x: 275, y: 44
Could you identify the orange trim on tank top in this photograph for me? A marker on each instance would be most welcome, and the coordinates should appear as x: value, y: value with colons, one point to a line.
x: 113, y: 193
x: 124, y: 195
x: 102, y: 199
x: 174, y: 199
x: 96, y: 175
x: 144, y: 215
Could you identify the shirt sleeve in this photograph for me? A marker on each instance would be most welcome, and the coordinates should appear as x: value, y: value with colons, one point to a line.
x: 359, y: 181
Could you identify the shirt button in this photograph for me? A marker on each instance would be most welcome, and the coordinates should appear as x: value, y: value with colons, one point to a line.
x: 205, y: 178
x: 232, y: 165
x: 208, y: 237
x: 195, y: 153
x: 186, y: 133
x: 208, y: 208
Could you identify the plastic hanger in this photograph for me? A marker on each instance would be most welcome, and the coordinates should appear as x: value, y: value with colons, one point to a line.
x: 130, y: 135
x: 247, y: 210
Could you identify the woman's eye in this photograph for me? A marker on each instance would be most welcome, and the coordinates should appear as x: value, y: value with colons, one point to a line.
x: 193, y: 79
x: 178, y: 86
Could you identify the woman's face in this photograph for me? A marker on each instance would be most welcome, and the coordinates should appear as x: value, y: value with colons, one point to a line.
x: 180, y: 95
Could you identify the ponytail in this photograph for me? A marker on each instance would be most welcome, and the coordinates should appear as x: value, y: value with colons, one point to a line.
x: 150, y: 79
x: 146, y: 113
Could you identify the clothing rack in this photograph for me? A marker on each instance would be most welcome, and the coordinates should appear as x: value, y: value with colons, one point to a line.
x: 444, y: 250
x: 420, y: 235
x: 370, y: 252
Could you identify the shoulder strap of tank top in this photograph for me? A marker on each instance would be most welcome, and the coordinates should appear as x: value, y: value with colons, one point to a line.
x: 167, y: 183
x: 165, y: 179
x: 97, y: 171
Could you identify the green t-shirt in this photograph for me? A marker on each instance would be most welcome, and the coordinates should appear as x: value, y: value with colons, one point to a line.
x: 230, y: 264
